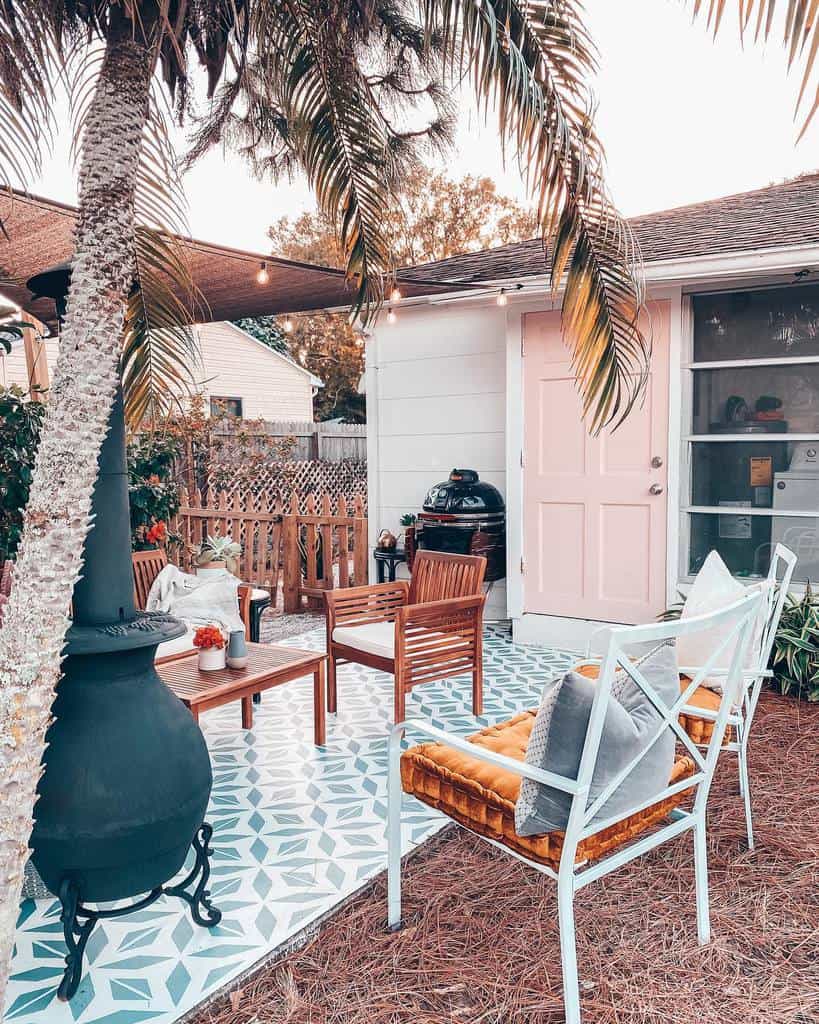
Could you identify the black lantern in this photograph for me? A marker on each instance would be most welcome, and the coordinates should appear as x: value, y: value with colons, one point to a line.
x: 127, y: 775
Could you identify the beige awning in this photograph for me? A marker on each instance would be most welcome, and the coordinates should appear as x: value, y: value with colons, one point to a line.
x: 38, y: 235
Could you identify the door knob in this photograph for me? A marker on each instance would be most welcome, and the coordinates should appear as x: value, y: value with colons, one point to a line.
x: 656, y: 462
x: 655, y: 489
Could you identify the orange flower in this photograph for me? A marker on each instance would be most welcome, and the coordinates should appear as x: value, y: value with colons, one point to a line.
x: 208, y: 636
x: 153, y: 480
x: 157, y: 533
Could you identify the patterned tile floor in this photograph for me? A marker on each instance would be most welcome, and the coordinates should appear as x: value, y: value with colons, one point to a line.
x: 297, y: 830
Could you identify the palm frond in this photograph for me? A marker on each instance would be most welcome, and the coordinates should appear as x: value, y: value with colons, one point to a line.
x: 799, y: 25
x: 28, y: 57
x: 532, y: 61
x: 333, y: 130
x: 160, y: 357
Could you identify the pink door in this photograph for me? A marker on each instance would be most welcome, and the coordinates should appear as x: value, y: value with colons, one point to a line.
x: 594, y: 509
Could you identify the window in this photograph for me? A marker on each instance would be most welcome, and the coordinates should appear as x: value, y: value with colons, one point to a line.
x: 752, y: 450
x: 220, y: 406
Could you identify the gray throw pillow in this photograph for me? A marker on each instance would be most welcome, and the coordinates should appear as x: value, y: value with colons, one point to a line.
x: 559, y: 732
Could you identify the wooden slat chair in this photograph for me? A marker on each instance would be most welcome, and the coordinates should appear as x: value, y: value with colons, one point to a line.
x: 420, y: 631
x: 147, y: 566
x: 700, y: 713
x: 476, y: 782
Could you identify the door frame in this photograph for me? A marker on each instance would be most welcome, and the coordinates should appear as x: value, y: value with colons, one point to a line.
x: 515, y: 421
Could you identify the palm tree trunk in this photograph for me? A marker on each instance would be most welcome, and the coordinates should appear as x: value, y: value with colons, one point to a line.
x: 57, y: 514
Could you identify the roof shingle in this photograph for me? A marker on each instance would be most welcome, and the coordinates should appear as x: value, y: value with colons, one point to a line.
x: 778, y: 215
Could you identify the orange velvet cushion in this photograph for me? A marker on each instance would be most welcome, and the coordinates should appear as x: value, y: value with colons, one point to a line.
x: 482, y: 796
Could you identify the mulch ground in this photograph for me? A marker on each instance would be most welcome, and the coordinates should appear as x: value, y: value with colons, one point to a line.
x: 481, y: 941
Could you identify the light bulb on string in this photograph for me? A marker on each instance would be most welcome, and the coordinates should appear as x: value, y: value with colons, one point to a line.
x: 395, y: 294
x: 288, y: 325
x: 391, y: 317
x: 502, y: 299
x: 262, y: 275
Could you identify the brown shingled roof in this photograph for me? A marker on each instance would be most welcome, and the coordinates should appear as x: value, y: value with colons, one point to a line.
x: 778, y: 215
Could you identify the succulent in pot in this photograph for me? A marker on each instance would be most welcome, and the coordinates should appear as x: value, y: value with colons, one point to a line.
x: 218, y: 553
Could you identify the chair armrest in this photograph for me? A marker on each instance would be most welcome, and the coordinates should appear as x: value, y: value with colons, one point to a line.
x: 521, y: 768
x: 432, y: 612
x: 243, y: 592
x: 357, y: 606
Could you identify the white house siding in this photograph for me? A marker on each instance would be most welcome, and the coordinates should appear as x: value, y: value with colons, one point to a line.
x: 13, y: 365
x: 235, y: 366
x: 238, y: 366
x: 436, y: 382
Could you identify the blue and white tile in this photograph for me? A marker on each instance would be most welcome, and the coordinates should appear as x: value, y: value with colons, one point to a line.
x: 296, y: 830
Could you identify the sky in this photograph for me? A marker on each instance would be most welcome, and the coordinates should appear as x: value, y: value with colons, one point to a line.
x: 683, y: 118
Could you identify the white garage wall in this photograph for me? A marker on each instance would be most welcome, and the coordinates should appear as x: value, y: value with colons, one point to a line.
x: 436, y: 382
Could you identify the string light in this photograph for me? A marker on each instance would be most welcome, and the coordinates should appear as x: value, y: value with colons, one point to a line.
x: 395, y: 294
x: 288, y: 325
x: 502, y: 299
x: 262, y: 276
x: 391, y: 317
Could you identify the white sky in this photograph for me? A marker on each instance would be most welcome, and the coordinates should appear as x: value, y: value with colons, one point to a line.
x: 683, y: 118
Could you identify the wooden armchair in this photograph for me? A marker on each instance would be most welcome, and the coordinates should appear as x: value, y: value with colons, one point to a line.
x: 148, y: 565
x: 421, y: 631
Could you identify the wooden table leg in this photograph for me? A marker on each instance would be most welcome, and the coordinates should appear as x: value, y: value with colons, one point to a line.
x: 319, y: 721
x: 247, y: 712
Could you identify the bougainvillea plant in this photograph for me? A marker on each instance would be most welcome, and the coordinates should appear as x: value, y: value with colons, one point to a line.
x: 153, y: 492
x: 207, y: 637
x: 20, y: 420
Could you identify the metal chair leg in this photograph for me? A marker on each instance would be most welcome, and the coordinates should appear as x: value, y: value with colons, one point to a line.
x: 568, y: 947
x: 701, y: 881
x: 394, y: 798
x: 745, y: 789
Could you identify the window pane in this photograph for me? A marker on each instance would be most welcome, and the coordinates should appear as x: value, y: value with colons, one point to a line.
x: 745, y: 543
x: 741, y: 473
x: 763, y: 323
x: 774, y: 398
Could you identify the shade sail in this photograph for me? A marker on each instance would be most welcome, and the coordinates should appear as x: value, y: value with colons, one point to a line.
x: 38, y: 234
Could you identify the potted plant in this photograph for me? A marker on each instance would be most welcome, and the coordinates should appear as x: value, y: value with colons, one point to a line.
x: 210, y: 643
x: 408, y: 521
x: 217, y: 555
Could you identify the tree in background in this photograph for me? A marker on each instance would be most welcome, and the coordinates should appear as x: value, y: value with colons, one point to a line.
x: 435, y: 217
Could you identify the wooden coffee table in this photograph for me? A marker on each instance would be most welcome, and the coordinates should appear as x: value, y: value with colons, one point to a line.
x: 268, y: 666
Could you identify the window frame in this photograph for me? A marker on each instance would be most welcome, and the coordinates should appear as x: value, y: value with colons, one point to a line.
x: 227, y: 398
x: 688, y: 368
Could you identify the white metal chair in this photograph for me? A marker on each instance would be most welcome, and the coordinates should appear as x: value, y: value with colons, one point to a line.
x: 695, y: 715
x: 774, y: 595
x: 573, y: 869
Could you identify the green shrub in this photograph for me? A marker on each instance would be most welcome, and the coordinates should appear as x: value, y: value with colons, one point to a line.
x: 153, y: 492
x: 795, y: 658
x: 20, y: 421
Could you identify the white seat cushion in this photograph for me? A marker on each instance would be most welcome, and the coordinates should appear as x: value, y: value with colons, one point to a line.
x: 177, y: 646
x: 376, y: 638
x: 256, y: 594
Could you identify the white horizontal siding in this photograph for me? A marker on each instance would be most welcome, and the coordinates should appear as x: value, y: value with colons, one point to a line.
x: 438, y: 378
x: 236, y: 366
x: 233, y: 366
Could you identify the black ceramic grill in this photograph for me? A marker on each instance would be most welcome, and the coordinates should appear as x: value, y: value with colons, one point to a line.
x: 468, y: 517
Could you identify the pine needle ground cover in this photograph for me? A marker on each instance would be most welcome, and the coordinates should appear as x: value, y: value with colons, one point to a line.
x: 481, y: 942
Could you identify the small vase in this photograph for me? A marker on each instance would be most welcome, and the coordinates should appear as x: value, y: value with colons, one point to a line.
x: 211, y: 659
x: 237, y: 653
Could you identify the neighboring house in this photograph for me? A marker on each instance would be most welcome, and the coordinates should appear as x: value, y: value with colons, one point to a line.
x: 240, y: 375
x: 722, y: 453
x: 245, y: 377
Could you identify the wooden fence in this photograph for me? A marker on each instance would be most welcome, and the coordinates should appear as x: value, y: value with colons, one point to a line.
x: 312, y: 544
x: 327, y: 442
x: 320, y: 549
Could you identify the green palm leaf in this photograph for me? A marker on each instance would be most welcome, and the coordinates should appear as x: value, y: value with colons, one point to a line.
x: 532, y: 62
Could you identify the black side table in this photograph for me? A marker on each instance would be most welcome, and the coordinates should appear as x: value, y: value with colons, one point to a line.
x: 388, y: 558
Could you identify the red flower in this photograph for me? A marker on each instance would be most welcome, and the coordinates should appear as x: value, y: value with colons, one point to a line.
x: 208, y: 636
x: 157, y: 533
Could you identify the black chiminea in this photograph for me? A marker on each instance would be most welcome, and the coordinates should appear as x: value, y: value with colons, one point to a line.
x: 127, y: 775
